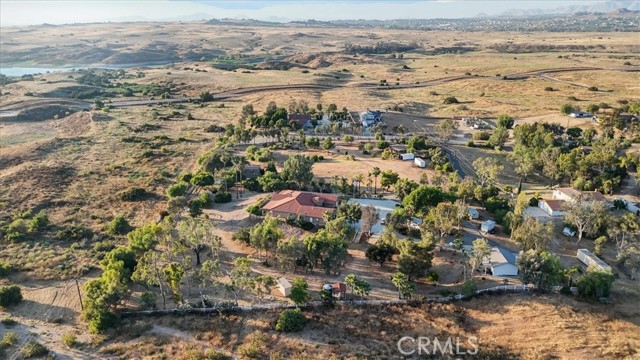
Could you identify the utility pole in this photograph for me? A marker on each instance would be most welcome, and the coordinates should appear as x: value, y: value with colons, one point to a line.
x: 79, y: 294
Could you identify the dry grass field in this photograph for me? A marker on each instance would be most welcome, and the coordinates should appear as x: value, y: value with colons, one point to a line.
x: 547, y: 326
x: 75, y: 166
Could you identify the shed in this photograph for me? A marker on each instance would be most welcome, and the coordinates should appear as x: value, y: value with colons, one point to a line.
x: 420, y: 162
x: 398, y: 148
x: 488, y: 226
x: 407, y: 156
x: 589, y: 259
x: 473, y: 213
x: 284, y: 286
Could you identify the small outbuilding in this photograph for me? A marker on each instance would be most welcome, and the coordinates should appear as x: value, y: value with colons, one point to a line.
x: 420, y: 162
x: 407, y: 156
x: 473, y: 213
x: 488, y: 226
x: 284, y: 286
x: 589, y: 259
x: 502, y: 262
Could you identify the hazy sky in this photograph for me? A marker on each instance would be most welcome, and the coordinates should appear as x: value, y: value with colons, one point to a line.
x: 28, y: 12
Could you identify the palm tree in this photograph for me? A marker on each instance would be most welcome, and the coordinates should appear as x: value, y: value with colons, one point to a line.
x: 359, y: 178
x: 375, y: 172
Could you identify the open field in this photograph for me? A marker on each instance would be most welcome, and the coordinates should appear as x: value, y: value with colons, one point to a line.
x: 579, y: 331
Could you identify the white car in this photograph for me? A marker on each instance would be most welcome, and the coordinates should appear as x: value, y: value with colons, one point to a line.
x: 568, y: 232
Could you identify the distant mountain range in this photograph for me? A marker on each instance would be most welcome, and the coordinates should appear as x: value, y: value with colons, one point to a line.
x: 600, y: 7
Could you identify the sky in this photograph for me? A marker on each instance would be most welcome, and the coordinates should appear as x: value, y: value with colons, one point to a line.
x: 32, y: 12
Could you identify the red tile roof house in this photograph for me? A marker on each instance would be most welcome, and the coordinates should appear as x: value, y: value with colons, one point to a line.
x: 310, y: 206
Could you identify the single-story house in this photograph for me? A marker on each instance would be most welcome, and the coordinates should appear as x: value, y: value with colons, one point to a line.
x: 572, y: 195
x: 284, y: 286
x: 301, y: 120
x: 369, y: 118
x: 251, y: 171
x: 289, y: 204
x: 501, y: 262
x: 553, y: 207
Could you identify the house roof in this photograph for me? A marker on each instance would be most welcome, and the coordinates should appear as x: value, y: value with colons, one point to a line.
x: 586, y: 195
x: 284, y: 283
x: 302, y: 203
x: 251, y: 171
x: 501, y: 256
x: 554, y: 204
x: 594, y: 195
x: 301, y: 119
x: 398, y: 147
x: 339, y: 287
x: 570, y: 192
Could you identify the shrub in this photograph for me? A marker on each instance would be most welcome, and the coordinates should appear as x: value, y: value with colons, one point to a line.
x: 119, y: 226
x: 148, y: 300
x: 202, y: 178
x: 100, y: 320
x: 291, y: 321
x: 10, y: 338
x: 566, y: 109
x: 481, y: 135
x: 8, y: 321
x: 10, y: 295
x: 470, y: 143
x: 39, y: 222
x: 243, y: 234
x: 222, y: 197
x: 469, y: 288
x: 69, y: 340
x: 177, y: 189
x: 133, y: 194
x: 33, y: 349
x: 595, y: 284
x: 450, y: 100
x: 548, y: 88
x: 5, y: 268
x: 593, y: 88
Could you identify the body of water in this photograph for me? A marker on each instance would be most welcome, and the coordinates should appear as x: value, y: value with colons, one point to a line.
x: 19, y: 71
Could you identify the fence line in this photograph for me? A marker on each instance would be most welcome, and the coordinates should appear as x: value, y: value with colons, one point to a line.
x: 225, y: 308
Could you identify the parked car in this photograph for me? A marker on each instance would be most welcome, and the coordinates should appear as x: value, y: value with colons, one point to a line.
x: 569, y: 232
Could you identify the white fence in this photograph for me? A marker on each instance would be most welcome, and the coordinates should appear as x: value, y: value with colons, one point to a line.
x: 284, y: 305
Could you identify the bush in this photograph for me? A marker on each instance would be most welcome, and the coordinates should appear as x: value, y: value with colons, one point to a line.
x: 69, y: 340
x: 33, y: 349
x: 148, y: 300
x: 39, y: 222
x: 177, y: 189
x: 291, y: 321
x: 481, y: 135
x: 10, y: 338
x: 8, y: 321
x: 595, y: 284
x: 450, y: 100
x: 133, y: 194
x: 469, y: 288
x: 5, y: 268
x: 10, y: 295
x: 119, y: 226
x: 100, y: 320
x: 243, y: 234
x: 222, y: 197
